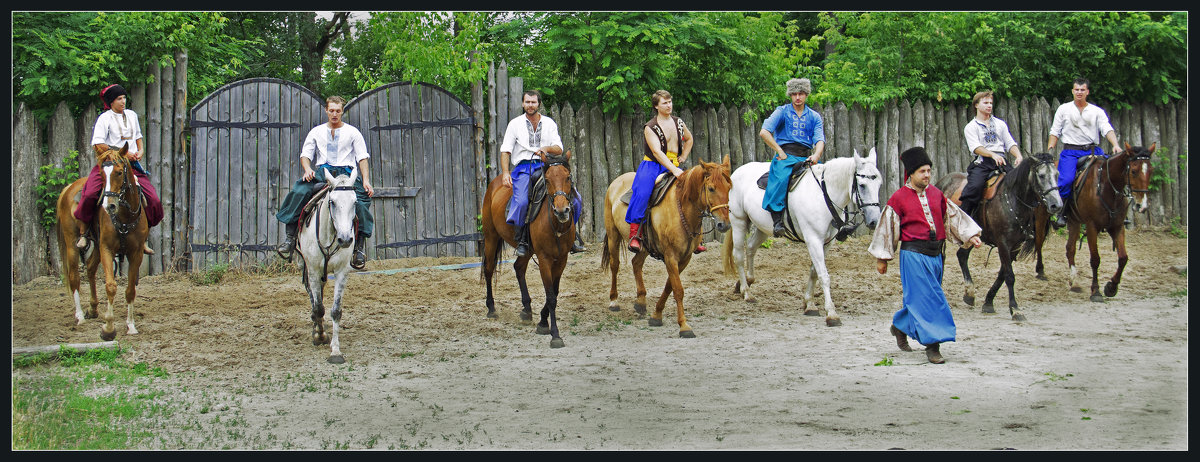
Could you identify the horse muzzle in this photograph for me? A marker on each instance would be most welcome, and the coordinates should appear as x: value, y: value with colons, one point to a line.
x: 1053, y: 202
x: 563, y: 216
x: 723, y: 226
x: 344, y: 242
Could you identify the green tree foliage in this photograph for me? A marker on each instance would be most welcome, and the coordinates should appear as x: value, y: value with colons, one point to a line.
x: 70, y: 56
x: 291, y: 46
x: 433, y: 47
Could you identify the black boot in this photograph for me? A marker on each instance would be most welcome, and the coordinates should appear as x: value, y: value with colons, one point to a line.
x: 777, y: 217
x: 934, y: 353
x: 360, y: 257
x: 577, y: 246
x: 522, y: 236
x: 289, y: 243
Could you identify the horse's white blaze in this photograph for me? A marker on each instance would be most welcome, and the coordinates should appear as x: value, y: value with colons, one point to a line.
x: 107, y: 184
x: 78, y: 309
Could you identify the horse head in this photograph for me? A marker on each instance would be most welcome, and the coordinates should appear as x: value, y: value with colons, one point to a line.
x: 715, y: 191
x: 868, y: 180
x: 342, y: 203
x: 557, y: 174
x: 1043, y: 179
x: 1138, y: 170
x: 116, y: 169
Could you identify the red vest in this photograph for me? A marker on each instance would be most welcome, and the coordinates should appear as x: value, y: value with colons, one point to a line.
x: 907, y: 205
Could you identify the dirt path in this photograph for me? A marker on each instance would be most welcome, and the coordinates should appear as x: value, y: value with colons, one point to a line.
x: 425, y: 369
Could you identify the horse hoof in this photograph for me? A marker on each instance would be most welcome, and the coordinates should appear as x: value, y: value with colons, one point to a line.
x: 526, y: 316
x: 687, y: 334
x: 336, y: 359
x: 543, y: 330
x: 557, y: 343
x: 969, y: 300
x: 835, y: 322
x: 1110, y: 289
x: 1042, y: 277
x: 1018, y: 317
x: 493, y: 315
x: 1078, y: 290
x: 614, y: 307
x: 751, y: 300
x: 1097, y: 298
x: 655, y: 322
x: 108, y: 335
x: 988, y: 308
x: 640, y: 308
x: 812, y: 312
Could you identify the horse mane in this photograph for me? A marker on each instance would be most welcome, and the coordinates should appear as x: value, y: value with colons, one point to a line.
x: 1018, y: 178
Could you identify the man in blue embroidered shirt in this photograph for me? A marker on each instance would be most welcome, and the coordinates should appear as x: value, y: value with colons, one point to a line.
x: 796, y: 134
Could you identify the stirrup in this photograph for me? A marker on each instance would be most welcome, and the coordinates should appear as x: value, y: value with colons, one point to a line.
x: 632, y: 248
x: 146, y: 249
x: 85, y: 242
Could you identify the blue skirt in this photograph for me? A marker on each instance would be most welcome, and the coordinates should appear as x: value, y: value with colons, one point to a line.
x: 925, y: 316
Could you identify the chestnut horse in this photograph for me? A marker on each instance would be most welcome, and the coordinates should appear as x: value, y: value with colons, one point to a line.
x: 1006, y: 221
x: 1100, y: 199
x: 551, y: 233
x: 120, y: 231
x: 675, y: 228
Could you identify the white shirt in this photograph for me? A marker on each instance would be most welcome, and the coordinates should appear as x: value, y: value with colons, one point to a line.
x: 116, y: 130
x: 992, y: 135
x: 517, y: 139
x: 351, y: 147
x: 1073, y: 127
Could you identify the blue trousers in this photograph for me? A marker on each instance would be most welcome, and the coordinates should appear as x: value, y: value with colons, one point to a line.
x: 643, y: 186
x: 925, y: 315
x: 775, y: 198
x: 1067, y: 160
x: 518, y: 204
x: 302, y: 191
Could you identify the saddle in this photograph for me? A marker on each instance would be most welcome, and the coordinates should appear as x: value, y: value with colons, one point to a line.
x: 305, y: 212
x: 798, y: 171
x: 991, y: 183
x: 650, y: 240
x: 537, y: 195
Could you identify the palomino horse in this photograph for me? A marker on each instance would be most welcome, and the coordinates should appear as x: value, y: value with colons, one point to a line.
x: 326, y: 242
x: 122, y: 233
x: 1100, y: 200
x: 674, y: 230
x: 1007, y: 221
x: 551, y: 233
x: 826, y: 193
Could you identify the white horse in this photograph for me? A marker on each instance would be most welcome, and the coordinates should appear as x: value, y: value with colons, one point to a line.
x: 851, y: 186
x: 326, y: 243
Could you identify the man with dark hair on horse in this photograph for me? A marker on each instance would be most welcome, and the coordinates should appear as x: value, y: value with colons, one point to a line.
x: 335, y: 146
x: 668, y: 143
x: 796, y: 134
x: 1080, y: 125
x: 988, y: 139
x: 527, y: 136
x: 116, y: 127
x: 918, y: 219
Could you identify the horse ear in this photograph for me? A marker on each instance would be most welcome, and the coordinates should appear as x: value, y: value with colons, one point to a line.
x: 124, y: 149
x: 1151, y: 148
x: 567, y: 156
x: 353, y: 174
x: 725, y: 163
x: 1126, y: 143
x: 327, y: 175
x: 871, y: 157
x: 542, y: 155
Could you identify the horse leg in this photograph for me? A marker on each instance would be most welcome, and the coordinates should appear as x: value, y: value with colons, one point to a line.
x: 316, y: 295
x: 819, y: 270
x: 135, y: 265
x: 490, y: 245
x: 1110, y: 289
x: 70, y: 264
x: 1040, y: 223
x: 757, y: 237
x: 1006, y: 269
x: 1093, y: 246
x: 549, y: 322
x: 674, y: 284
x: 738, y: 253
x: 519, y: 268
x: 92, y: 264
x: 655, y: 319
x: 612, y: 245
x: 109, y: 330
x: 964, y: 257
x: 335, y: 314
x: 639, y: 303
x: 1072, y: 239
x: 1005, y: 256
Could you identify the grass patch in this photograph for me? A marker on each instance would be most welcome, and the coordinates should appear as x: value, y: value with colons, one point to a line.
x: 81, y: 401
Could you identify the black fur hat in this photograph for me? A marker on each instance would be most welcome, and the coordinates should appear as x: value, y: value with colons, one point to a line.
x: 913, y: 159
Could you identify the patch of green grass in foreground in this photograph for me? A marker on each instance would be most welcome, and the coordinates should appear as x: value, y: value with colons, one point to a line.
x: 81, y: 400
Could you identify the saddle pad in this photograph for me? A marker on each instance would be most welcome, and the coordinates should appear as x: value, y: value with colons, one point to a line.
x: 661, y: 184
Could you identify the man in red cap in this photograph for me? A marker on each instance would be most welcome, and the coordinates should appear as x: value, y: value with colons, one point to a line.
x: 116, y: 127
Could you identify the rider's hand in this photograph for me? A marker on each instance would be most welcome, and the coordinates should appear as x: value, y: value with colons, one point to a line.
x: 975, y: 242
x: 506, y: 179
x: 367, y: 186
x: 309, y: 174
x: 677, y: 171
x: 781, y: 156
x: 998, y: 159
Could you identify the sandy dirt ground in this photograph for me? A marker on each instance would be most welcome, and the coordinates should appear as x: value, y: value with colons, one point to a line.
x: 426, y: 370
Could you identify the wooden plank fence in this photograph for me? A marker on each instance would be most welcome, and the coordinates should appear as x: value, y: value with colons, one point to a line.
x: 468, y: 137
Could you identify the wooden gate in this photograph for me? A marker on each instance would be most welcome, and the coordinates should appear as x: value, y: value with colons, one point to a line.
x: 246, y: 141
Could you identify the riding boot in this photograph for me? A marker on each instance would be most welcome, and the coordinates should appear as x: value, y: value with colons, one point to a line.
x: 360, y: 257
x: 777, y: 218
x: 146, y: 249
x: 285, y: 249
x: 901, y: 339
x: 577, y: 246
x: 635, y: 245
x: 934, y: 353
x: 82, y: 243
x: 522, y: 240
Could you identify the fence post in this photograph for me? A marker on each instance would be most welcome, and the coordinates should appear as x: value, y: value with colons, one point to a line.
x: 28, y: 237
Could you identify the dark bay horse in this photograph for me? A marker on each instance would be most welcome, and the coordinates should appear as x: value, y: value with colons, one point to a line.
x: 1007, y: 220
x: 1100, y: 200
x: 551, y: 233
x: 675, y: 230
x: 120, y: 231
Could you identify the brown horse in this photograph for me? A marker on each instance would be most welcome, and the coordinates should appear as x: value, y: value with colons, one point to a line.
x: 551, y: 233
x: 1100, y: 200
x: 120, y: 231
x: 675, y: 227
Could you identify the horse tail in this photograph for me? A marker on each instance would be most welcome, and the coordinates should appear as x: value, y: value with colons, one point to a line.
x: 495, y: 257
x: 1025, y: 249
x: 604, y: 252
x: 727, y: 254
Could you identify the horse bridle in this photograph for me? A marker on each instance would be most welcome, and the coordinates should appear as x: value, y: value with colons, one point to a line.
x: 1127, y: 191
x: 839, y: 221
x: 1041, y: 194
x: 327, y: 250
x: 703, y: 213
x: 551, y: 161
x: 122, y: 227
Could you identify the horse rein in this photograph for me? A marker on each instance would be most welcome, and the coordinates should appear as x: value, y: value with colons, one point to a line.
x: 551, y: 161
x: 327, y: 250
x: 704, y: 213
x: 123, y: 228
x: 839, y: 221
